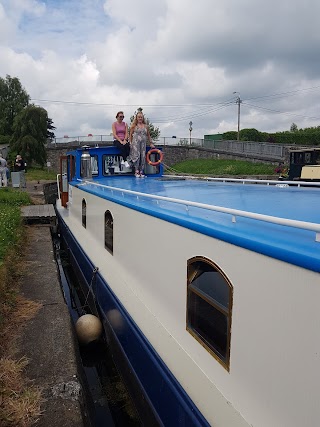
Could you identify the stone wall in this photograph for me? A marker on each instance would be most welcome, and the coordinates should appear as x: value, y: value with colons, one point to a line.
x: 172, y: 155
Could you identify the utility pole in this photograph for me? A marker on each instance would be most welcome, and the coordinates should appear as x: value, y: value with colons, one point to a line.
x: 190, y: 130
x: 238, y: 101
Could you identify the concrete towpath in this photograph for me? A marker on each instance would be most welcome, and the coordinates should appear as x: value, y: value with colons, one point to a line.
x: 48, y: 340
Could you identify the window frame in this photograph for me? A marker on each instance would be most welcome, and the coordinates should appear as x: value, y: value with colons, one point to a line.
x: 95, y: 158
x: 107, y: 246
x: 227, y: 312
x: 84, y: 213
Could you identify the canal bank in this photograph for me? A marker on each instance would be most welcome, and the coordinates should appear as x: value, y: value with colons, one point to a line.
x: 48, y: 340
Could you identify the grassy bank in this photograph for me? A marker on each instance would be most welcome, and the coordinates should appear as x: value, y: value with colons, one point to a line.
x: 37, y: 174
x: 223, y: 167
x: 10, y: 218
x: 19, y: 400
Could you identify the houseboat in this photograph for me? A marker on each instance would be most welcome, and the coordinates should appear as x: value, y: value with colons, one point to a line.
x: 208, y: 290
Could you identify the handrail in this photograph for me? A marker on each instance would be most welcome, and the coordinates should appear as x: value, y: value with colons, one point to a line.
x: 251, y: 180
x: 311, y: 226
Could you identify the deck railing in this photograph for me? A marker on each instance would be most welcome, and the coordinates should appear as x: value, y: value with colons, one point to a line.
x: 311, y: 226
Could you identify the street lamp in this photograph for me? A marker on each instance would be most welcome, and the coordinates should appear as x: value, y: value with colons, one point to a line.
x: 238, y: 101
x: 190, y: 130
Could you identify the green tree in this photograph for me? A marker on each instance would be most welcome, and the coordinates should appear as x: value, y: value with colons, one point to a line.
x: 13, y: 99
x: 50, y: 129
x: 154, y: 131
x: 30, y: 134
x: 251, y: 134
x: 293, y: 127
x: 230, y: 135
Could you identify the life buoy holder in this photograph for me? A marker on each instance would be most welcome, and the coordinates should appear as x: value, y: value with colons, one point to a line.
x: 154, y: 151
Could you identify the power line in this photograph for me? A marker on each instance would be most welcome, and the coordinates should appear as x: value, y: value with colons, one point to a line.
x: 283, y: 94
x: 118, y: 105
x: 280, y: 94
x: 207, y: 108
x: 193, y: 115
x: 203, y: 110
x: 280, y: 112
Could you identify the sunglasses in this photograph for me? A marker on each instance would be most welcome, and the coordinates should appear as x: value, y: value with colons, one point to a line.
x: 121, y: 117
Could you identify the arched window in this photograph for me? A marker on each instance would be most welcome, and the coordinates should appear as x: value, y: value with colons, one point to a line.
x: 108, y: 231
x: 209, y: 307
x: 84, y: 213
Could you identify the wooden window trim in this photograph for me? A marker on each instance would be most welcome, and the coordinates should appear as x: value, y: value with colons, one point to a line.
x: 225, y: 361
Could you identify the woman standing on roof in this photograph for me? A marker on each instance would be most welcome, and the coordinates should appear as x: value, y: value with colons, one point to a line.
x: 139, y: 136
x: 120, y: 136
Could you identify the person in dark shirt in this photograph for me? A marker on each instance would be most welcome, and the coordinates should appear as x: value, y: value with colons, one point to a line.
x: 19, y: 164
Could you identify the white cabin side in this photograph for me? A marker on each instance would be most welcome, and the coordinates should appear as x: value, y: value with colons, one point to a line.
x: 274, y: 377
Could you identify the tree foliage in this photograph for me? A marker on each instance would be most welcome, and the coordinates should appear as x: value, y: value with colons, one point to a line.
x: 251, y: 135
x: 30, y: 134
x: 13, y: 99
x: 50, y: 129
x: 154, y: 131
x: 230, y: 135
x: 307, y: 136
x: 293, y: 127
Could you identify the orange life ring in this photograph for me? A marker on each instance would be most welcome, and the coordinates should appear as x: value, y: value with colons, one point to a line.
x: 154, y: 150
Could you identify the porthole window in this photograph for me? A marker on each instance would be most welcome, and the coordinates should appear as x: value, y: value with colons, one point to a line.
x: 209, y: 307
x: 108, y: 231
x: 84, y: 213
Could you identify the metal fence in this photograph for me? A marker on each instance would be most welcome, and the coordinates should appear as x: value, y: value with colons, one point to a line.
x: 262, y: 149
x: 96, y: 139
x: 89, y: 139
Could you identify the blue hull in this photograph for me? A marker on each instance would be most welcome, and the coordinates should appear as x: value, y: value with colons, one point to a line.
x: 159, y: 398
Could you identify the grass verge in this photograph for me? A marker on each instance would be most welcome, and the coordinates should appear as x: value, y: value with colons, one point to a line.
x: 223, y: 167
x: 37, y: 174
x: 19, y: 399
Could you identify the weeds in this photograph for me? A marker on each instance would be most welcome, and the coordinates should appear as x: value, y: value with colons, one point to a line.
x: 19, y: 400
x: 19, y: 403
x: 10, y: 218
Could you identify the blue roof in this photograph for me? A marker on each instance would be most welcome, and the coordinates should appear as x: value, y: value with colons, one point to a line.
x: 293, y: 245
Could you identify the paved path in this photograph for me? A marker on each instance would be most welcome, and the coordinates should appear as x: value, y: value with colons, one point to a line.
x: 48, y: 340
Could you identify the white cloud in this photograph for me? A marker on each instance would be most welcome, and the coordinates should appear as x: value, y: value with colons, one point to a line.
x: 179, y: 59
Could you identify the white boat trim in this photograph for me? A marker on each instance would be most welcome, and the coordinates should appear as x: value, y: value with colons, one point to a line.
x: 249, y: 180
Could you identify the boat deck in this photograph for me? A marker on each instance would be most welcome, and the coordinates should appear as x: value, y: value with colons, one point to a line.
x: 279, y: 221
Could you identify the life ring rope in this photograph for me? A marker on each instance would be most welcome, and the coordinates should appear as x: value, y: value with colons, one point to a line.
x: 154, y: 151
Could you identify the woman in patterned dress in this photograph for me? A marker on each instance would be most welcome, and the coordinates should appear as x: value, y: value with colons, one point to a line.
x: 139, y: 136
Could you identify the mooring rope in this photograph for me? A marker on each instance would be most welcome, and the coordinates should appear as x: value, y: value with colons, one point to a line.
x: 170, y: 169
x: 90, y: 289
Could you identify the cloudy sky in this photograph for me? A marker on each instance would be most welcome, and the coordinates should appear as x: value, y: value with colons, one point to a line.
x: 181, y: 60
